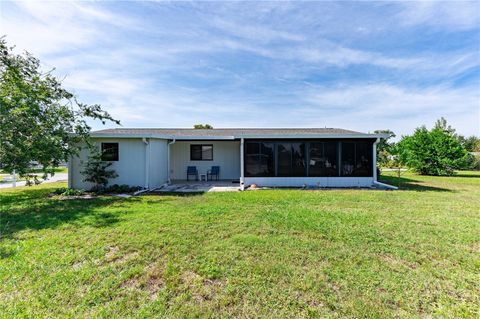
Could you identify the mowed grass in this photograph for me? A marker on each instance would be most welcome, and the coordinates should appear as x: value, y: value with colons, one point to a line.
x: 267, y: 253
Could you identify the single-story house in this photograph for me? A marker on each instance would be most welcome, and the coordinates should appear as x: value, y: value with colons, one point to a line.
x: 288, y: 157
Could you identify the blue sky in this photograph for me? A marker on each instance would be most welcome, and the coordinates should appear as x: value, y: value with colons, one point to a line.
x: 356, y: 65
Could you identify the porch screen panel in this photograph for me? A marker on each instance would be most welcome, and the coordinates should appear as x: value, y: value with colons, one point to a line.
x: 331, y: 158
x: 284, y: 158
x: 298, y: 160
x: 259, y: 159
x: 357, y: 159
x: 316, y: 160
x: 323, y: 159
x: 267, y: 159
x: 348, y: 159
x: 363, y: 159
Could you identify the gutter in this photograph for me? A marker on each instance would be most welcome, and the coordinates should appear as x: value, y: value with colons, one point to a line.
x: 169, y: 180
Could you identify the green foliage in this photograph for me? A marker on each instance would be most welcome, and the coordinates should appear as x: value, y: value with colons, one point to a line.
x: 203, y: 126
x: 65, y: 191
x: 97, y: 171
x: 434, y: 152
x: 117, y: 189
x: 40, y: 121
x: 471, y: 143
x: 385, y: 148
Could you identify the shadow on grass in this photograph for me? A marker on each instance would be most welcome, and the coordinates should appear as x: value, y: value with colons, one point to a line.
x: 33, y: 209
x: 410, y: 184
x: 463, y: 175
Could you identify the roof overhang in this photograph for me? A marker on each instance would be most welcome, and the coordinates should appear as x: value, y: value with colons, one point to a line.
x: 248, y: 136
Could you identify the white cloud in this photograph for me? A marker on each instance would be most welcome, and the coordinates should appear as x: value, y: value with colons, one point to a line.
x: 51, y: 27
x: 453, y: 15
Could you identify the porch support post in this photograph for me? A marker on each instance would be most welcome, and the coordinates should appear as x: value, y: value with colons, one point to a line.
x: 374, y: 161
x: 146, y: 141
x: 242, y: 173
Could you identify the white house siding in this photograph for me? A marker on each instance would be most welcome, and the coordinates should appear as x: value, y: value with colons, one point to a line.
x: 158, y: 163
x: 226, y: 154
x: 130, y: 166
x: 310, y: 181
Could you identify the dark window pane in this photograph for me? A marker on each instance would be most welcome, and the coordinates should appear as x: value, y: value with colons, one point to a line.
x: 348, y: 158
x: 201, y: 152
x: 363, y: 159
x: 110, y: 152
x: 284, y: 154
x: 330, y: 154
x: 207, y: 152
x: 298, y: 159
x: 196, y: 152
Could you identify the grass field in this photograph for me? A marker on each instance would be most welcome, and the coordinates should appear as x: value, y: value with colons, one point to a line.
x: 268, y: 253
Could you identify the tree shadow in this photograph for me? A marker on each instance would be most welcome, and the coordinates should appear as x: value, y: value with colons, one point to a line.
x: 33, y: 209
x: 411, y: 184
x: 464, y: 174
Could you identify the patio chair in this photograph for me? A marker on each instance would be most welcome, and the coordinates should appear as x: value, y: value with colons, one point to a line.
x: 213, y: 172
x: 192, y: 171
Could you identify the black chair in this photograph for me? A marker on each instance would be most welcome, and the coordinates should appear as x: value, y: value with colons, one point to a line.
x: 192, y: 170
x: 213, y: 172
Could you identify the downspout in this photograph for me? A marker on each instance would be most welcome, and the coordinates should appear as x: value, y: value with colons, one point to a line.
x: 375, y: 160
x: 147, y: 161
x: 375, y: 177
x: 242, y: 173
x: 169, y: 180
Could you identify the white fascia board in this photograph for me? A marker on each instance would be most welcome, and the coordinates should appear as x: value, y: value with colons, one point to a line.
x: 253, y: 136
x: 306, y: 136
x: 165, y: 137
x: 204, y: 138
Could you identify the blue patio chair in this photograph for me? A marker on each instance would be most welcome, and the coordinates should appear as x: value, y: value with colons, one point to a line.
x: 213, y: 172
x: 192, y: 170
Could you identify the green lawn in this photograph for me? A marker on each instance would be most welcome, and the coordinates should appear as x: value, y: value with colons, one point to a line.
x: 268, y: 253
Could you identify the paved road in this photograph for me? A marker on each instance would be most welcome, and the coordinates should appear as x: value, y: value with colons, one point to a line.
x: 55, y: 178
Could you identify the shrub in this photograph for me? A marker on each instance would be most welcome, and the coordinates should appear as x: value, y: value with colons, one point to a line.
x: 434, y: 152
x: 65, y: 191
x: 116, y: 189
x: 97, y: 171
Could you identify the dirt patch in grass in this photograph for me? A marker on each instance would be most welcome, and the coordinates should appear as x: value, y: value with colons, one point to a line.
x: 202, y: 289
x: 396, y: 262
x: 113, y: 255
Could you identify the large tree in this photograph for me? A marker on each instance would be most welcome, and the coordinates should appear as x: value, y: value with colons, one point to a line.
x: 40, y: 121
x: 433, y: 152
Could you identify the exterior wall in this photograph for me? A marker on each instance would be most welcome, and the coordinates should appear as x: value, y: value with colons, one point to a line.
x: 158, y: 164
x: 226, y: 154
x: 310, y: 181
x: 131, y: 164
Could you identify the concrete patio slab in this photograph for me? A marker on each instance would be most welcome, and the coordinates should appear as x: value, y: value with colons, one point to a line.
x: 199, y: 187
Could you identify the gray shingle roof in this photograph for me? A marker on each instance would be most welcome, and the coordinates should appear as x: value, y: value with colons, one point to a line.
x: 228, y: 132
